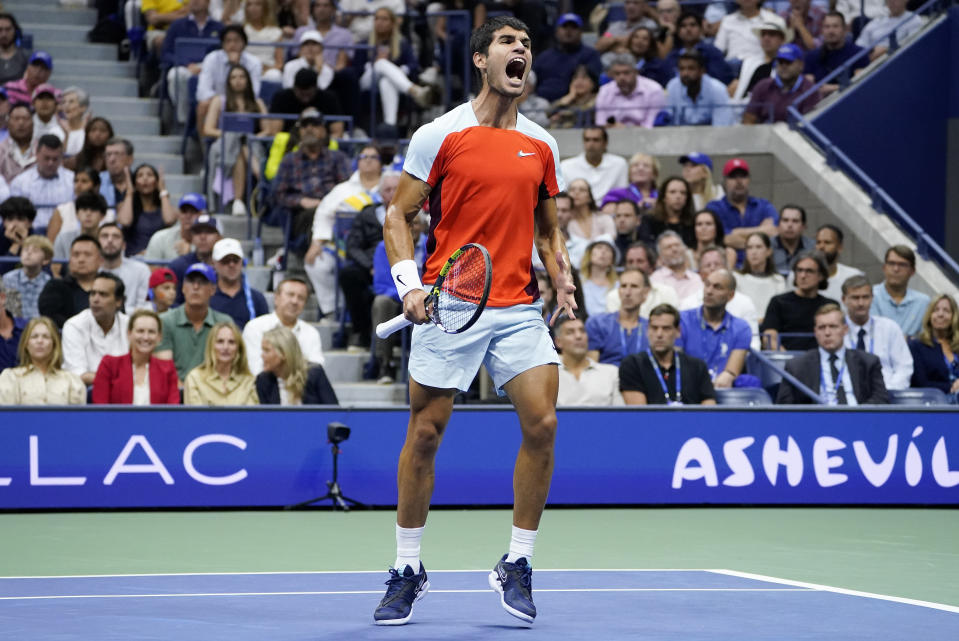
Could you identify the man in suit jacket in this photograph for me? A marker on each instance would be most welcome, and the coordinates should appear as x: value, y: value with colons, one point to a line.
x: 840, y: 375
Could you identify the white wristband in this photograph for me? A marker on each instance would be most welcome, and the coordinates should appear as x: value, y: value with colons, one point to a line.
x: 406, y: 277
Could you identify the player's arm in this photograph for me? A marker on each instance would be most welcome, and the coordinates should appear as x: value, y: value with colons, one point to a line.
x: 411, y: 193
x: 552, y: 251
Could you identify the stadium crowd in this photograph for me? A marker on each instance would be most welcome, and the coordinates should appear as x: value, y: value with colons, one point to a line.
x: 116, y: 292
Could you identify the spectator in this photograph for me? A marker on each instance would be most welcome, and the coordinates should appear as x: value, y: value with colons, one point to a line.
x: 695, y: 98
x: 575, y: 245
x: 860, y: 11
x: 223, y: 377
x: 874, y: 35
x: 289, y: 301
x: 90, y: 211
x: 162, y: 290
x: 11, y: 327
x: 63, y: 298
x: 4, y: 114
x: 13, y: 57
x: 772, y: 35
x: 234, y: 296
x: 829, y: 241
x: 674, y: 271
x: 598, y: 271
x: 229, y: 153
x: 791, y: 239
x: 46, y: 183
x: 689, y: 35
x: 643, y: 172
x: 75, y: 105
x: 286, y: 378
x: 185, y: 328
x: 30, y: 279
x: 262, y: 29
x: 97, y: 331
x: 875, y: 334
x: 673, y: 210
x: 134, y: 274
x: 602, y: 170
x: 628, y: 222
x: 643, y: 46
x: 145, y: 209
x: 44, y: 100
x: 841, y: 376
x: 935, y: 350
x: 835, y: 51
x: 534, y: 107
x: 741, y: 213
x: 40, y: 379
x: 18, y: 150
x: 227, y: 11
x: 17, y: 214
x: 174, y: 241
x: 571, y: 109
x: 893, y: 298
x: 643, y: 257
x: 216, y: 66
x: 64, y: 219
x: 304, y: 97
x: 336, y: 40
x: 197, y: 24
x: 308, y: 174
x: 739, y: 305
x: 806, y: 21
x: 587, y: 222
x: 668, y: 12
x: 159, y: 15
x: 359, y: 14
x: 698, y: 174
x: 115, y: 179
x: 616, y: 37
x: 793, y: 312
x: 662, y: 375
x: 137, y: 377
x: 708, y: 231
x: 582, y: 381
x: 311, y: 56
x: 39, y: 68
x: 554, y: 67
x: 96, y: 132
x: 630, y: 99
x: 736, y: 37
x: 204, y: 233
x: 772, y: 96
x: 614, y: 335
x: 758, y: 278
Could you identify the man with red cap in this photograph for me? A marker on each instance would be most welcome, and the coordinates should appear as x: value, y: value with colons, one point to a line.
x: 162, y: 289
x: 741, y: 213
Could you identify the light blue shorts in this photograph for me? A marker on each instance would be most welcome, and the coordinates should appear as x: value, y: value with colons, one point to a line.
x: 507, y: 340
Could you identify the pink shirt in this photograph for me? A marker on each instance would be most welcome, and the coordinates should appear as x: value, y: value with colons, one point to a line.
x: 687, y: 285
x: 640, y: 107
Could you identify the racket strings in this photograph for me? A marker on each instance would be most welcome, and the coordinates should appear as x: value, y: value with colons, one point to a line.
x: 462, y: 290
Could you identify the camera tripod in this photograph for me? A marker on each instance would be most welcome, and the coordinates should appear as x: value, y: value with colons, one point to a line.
x: 334, y: 494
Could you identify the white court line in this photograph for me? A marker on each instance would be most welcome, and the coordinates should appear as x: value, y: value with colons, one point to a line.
x: 309, y: 572
x: 347, y: 592
x: 830, y: 588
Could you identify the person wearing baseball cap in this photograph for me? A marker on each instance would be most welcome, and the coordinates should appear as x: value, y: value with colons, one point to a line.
x: 695, y: 98
x: 185, y: 328
x: 698, y: 172
x: 741, y: 213
x: 311, y: 57
x: 162, y: 292
x: 204, y: 232
x: 772, y: 97
x: 174, y: 241
x: 46, y: 99
x: 234, y: 296
x: 39, y: 68
x: 554, y: 67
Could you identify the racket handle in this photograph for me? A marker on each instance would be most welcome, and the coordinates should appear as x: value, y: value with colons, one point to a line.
x: 392, y: 326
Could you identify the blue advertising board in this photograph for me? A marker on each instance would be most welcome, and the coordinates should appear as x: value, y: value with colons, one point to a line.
x: 179, y: 457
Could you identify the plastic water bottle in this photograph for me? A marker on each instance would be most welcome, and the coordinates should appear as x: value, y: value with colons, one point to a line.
x: 257, y: 252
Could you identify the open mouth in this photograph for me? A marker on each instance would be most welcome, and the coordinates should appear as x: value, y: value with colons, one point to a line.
x: 515, y: 68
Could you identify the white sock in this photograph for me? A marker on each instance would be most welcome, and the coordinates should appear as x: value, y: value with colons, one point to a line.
x: 408, y: 547
x: 521, y: 544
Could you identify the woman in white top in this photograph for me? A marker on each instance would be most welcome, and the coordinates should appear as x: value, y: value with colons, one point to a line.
x: 75, y: 106
x: 758, y: 277
x: 698, y: 172
x: 598, y: 274
x: 587, y: 222
x: 40, y: 379
x: 261, y: 27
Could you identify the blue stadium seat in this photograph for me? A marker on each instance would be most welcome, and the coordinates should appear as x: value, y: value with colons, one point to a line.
x: 269, y: 89
x: 918, y: 396
x: 747, y: 396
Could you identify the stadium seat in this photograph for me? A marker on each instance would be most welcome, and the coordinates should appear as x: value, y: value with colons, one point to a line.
x: 743, y: 396
x: 918, y: 396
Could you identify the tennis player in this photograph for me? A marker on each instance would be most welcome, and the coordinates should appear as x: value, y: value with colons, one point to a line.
x: 491, y: 175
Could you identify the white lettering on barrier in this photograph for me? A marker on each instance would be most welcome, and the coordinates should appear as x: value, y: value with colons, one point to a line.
x: 940, y: 466
x: 694, y: 450
x: 913, y: 460
x: 36, y: 479
x: 120, y: 466
x: 735, y: 453
x: 791, y: 458
x: 5, y: 481
x: 877, y: 473
x: 822, y: 463
x: 196, y: 443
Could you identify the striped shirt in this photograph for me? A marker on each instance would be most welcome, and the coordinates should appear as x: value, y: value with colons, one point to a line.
x: 44, y: 193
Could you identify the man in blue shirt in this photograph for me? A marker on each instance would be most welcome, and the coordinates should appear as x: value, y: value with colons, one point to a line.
x: 741, y: 213
x: 615, y: 335
x: 712, y: 334
x: 234, y: 296
x: 204, y: 234
x: 554, y: 67
x: 892, y: 297
x: 694, y: 98
x: 836, y: 49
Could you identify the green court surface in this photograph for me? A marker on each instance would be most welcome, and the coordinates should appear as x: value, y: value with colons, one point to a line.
x: 910, y: 553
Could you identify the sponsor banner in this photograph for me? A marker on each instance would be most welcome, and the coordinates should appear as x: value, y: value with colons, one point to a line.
x: 106, y: 458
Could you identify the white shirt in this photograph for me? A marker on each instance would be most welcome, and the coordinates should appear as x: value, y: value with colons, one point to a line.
x: 325, y: 214
x: 323, y: 78
x: 612, y: 173
x: 213, y: 71
x: 306, y: 335
x: 740, y: 306
x: 873, y: 33
x: 658, y: 295
x: 216, y: 12
x: 883, y: 337
x: 85, y: 344
x: 141, y: 393
x: 598, y: 384
x: 136, y: 281
x: 735, y: 37
x: 362, y: 25
x: 44, y: 193
x: 760, y: 289
x: 850, y: 9
x: 41, y: 128
x: 827, y: 384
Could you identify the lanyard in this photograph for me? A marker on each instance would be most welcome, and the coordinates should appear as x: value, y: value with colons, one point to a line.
x: 834, y: 399
x: 624, y: 339
x: 951, y: 368
x: 851, y: 344
x: 662, y: 381
x: 248, y: 296
x: 704, y: 339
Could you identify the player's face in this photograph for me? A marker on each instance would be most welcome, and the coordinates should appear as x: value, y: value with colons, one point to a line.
x: 508, y: 61
x: 830, y: 330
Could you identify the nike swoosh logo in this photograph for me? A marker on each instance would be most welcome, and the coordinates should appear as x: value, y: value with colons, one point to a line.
x: 523, y: 154
x: 400, y: 280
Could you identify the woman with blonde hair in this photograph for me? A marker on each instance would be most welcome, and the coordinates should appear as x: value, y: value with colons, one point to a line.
x: 40, y: 379
x: 698, y: 173
x: 598, y: 274
x: 262, y: 29
x: 224, y: 377
x: 935, y: 351
x: 643, y: 175
x: 287, y: 379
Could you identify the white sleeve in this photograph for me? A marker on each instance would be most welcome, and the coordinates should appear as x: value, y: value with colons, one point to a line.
x: 901, y: 358
x: 422, y: 151
x: 4, y: 189
x: 252, y: 338
x: 74, y: 354
x: 311, y: 345
x: 289, y: 73
x: 205, y: 83
x: 722, y: 38
x: 255, y: 67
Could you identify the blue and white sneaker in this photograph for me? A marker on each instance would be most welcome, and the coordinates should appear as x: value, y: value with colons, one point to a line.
x: 514, y: 582
x: 402, y: 591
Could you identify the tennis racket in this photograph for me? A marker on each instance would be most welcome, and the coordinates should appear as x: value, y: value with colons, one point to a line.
x: 459, y: 295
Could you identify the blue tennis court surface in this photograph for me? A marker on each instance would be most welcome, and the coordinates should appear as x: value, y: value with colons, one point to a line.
x: 592, y: 605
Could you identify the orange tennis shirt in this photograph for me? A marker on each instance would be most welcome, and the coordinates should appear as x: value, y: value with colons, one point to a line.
x: 486, y: 183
